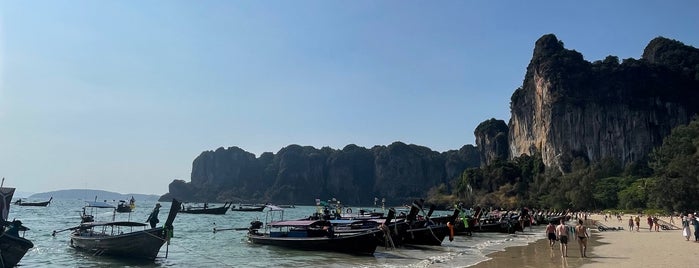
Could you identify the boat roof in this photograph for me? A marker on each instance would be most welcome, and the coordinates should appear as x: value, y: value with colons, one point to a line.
x: 353, y: 221
x: 273, y: 207
x: 298, y: 223
x: 112, y: 223
x: 97, y: 204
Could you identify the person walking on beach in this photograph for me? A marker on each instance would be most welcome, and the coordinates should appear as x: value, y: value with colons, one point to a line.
x: 630, y: 224
x: 153, y: 217
x: 695, y: 223
x: 656, y: 224
x: 649, y: 220
x: 582, y: 236
x: 551, y: 234
x: 562, y: 234
x: 637, y: 220
x: 685, y: 227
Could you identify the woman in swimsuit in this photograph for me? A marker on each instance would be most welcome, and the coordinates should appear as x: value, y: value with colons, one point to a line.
x: 581, y: 235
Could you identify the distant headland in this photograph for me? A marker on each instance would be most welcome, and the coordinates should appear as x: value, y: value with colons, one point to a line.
x: 89, y: 194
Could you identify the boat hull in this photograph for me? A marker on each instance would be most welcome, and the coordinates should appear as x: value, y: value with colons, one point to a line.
x: 403, y: 234
x: 214, y: 211
x: 123, y: 208
x: 430, y: 235
x: 40, y: 204
x: 363, y: 243
x: 140, y: 244
x: 12, y: 249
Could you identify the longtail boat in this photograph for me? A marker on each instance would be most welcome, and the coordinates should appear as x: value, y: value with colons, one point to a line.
x: 315, y: 235
x: 117, y: 238
x: 248, y: 208
x: 206, y: 210
x: 19, y: 202
x: 13, y: 247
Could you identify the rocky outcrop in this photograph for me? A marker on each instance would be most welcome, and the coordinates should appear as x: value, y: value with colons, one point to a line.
x: 491, y: 138
x: 569, y: 107
x: 296, y: 174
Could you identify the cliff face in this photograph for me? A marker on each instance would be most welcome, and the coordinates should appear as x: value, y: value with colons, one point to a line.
x: 296, y: 174
x: 568, y: 107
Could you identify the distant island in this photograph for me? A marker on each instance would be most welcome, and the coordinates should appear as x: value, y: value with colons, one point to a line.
x: 88, y: 194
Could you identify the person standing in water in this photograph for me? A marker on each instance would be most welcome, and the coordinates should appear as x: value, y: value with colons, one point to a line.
x: 153, y: 218
x: 562, y: 234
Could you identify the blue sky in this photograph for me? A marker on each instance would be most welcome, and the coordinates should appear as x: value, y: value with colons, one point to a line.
x: 123, y: 95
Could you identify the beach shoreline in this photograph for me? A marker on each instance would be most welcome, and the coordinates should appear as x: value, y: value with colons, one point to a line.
x: 538, y: 254
x: 618, y: 249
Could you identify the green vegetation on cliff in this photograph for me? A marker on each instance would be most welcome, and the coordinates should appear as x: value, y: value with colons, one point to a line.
x: 668, y: 180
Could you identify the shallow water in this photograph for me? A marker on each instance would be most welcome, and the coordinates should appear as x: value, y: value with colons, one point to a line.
x: 195, y: 245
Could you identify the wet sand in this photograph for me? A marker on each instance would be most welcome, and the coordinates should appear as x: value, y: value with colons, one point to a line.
x: 618, y: 249
x: 539, y: 255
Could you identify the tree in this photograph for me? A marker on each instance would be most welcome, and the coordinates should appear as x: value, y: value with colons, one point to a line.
x: 676, y: 165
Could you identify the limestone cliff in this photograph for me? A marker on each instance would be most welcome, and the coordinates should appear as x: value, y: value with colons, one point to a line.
x: 568, y: 107
x: 299, y: 174
x: 491, y: 139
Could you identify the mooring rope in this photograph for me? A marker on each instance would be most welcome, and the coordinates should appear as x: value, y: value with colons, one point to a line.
x: 388, y: 240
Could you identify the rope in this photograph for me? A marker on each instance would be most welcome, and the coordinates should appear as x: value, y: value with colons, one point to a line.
x: 433, y: 235
x: 2, y: 261
x: 388, y: 240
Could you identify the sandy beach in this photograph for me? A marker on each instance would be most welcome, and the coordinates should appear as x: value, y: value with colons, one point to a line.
x: 618, y: 249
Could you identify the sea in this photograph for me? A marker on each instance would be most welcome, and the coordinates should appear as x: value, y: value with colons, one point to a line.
x: 196, y: 245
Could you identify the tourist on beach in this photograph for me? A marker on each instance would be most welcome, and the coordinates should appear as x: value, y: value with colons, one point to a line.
x: 581, y: 236
x: 630, y: 223
x: 685, y: 227
x: 649, y: 220
x: 655, y: 224
x: 637, y: 220
x: 695, y: 223
x: 551, y: 233
x: 562, y: 234
x: 153, y: 217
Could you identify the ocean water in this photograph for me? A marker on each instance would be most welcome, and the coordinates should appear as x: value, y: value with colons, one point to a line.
x: 196, y: 245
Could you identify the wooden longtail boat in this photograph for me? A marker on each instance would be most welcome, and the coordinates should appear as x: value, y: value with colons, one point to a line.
x: 250, y: 209
x: 207, y: 210
x: 117, y: 238
x: 315, y: 235
x: 19, y: 202
x: 12, y: 246
x: 124, y: 207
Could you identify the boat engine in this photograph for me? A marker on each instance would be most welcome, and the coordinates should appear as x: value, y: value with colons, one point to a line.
x: 254, y: 225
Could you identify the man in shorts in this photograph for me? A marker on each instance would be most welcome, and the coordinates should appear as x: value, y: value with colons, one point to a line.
x: 551, y: 234
x: 562, y: 234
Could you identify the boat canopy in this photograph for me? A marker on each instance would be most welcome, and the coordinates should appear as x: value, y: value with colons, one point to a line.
x: 273, y: 207
x: 97, y: 204
x: 112, y: 223
x: 301, y: 223
x: 343, y: 222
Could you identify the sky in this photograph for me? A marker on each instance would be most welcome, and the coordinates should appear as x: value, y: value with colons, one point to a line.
x: 123, y: 95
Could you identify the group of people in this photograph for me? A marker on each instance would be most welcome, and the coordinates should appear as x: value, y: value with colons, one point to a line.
x: 688, y: 220
x: 635, y: 223
x: 562, y: 232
